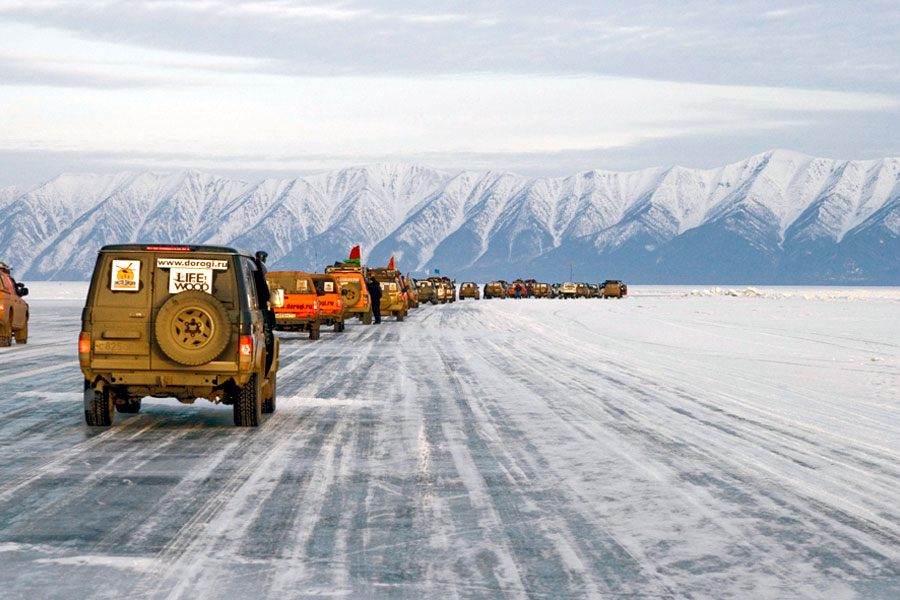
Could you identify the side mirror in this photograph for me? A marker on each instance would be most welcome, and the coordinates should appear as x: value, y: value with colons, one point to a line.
x: 277, y: 298
x: 21, y: 289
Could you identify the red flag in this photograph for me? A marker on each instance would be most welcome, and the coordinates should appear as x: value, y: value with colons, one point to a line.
x: 391, y: 264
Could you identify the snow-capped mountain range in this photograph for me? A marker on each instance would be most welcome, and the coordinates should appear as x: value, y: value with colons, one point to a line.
x: 777, y: 217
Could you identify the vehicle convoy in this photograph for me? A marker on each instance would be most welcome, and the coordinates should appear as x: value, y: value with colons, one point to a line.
x: 13, y: 310
x: 393, y: 297
x: 469, y: 289
x: 295, y: 302
x: 613, y: 288
x: 352, y: 279
x: 177, y: 321
x: 331, y: 304
x: 495, y: 289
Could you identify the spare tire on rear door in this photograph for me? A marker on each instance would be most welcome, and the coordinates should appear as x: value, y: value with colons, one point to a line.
x: 351, y: 292
x: 192, y: 328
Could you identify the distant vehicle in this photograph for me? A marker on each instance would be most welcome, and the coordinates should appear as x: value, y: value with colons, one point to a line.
x: 594, y: 290
x: 13, y: 310
x: 177, y: 321
x: 412, y: 292
x: 295, y: 302
x: 568, y: 290
x: 583, y: 290
x: 495, y: 289
x: 331, y: 303
x: 393, y: 297
x: 441, y: 291
x: 469, y: 289
x: 427, y: 291
x: 351, y: 277
x: 540, y: 290
x: 613, y: 288
x: 450, y: 289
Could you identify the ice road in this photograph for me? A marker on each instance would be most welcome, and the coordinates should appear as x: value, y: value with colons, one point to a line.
x: 668, y: 445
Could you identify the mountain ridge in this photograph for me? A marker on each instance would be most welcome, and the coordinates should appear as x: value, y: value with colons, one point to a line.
x: 775, y: 217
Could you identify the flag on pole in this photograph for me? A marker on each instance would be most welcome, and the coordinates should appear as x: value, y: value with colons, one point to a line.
x: 354, y: 255
x: 391, y: 265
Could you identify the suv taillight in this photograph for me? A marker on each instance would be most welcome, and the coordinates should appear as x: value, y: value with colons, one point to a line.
x: 246, y: 349
x: 84, y: 343
x: 84, y: 349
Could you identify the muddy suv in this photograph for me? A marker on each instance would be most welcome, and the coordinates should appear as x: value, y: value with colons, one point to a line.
x: 495, y: 289
x: 13, y: 310
x: 352, y: 279
x: 426, y: 290
x: 613, y: 288
x: 469, y: 289
x: 177, y: 321
x: 394, y: 301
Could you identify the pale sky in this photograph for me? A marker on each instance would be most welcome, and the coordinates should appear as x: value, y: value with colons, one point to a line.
x: 277, y: 88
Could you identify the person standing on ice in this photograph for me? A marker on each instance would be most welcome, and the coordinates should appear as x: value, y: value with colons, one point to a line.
x: 518, y: 291
x: 374, y: 289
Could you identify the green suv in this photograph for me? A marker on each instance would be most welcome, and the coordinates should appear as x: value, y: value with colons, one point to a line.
x: 177, y: 321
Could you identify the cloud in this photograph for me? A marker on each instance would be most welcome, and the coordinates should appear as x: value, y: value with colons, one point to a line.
x: 834, y: 46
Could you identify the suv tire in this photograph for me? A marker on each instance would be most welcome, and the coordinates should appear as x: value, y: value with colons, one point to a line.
x: 192, y: 328
x: 247, y: 403
x: 98, y: 406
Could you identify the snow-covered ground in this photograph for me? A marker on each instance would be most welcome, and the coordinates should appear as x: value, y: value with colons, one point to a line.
x: 680, y: 443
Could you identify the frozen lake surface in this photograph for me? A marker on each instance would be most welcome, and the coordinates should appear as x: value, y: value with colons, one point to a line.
x: 680, y: 443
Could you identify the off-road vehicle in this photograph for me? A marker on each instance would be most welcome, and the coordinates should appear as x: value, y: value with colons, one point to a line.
x: 13, y: 310
x: 440, y: 290
x: 412, y: 292
x: 295, y: 302
x: 450, y: 289
x: 495, y: 289
x: 541, y: 290
x: 469, y: 289
x: 331, y: 304
x: 613, y: 288
x: 352, y: 279
x: 177, y: 321
x: 568, y: 289
x: 394, y: 301
x: 427, y: 291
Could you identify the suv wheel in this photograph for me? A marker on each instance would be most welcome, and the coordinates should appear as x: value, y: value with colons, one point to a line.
x: 98, y: 406
x: 192, y: 328
x: 314, y: 332
x: 367, y: 318
x: 247, y: 404
x: 268, y: 405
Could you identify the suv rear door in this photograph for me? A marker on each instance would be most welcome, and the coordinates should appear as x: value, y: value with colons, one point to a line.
x: 120, y: 311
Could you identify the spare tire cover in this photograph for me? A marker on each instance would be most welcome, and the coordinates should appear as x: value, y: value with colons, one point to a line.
x: 351, y: 292
x: 192, y: 328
